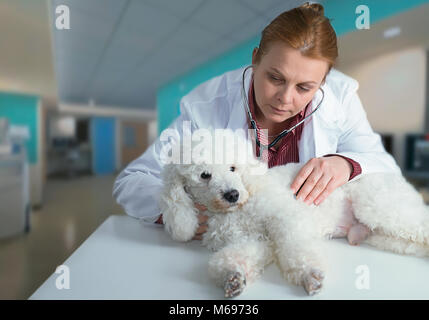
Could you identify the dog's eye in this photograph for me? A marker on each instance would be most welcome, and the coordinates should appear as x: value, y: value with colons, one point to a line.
x: 206, y: 175
x: 232, y: 169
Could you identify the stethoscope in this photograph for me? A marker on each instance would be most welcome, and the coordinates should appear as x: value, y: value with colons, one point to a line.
x: 255, y: 128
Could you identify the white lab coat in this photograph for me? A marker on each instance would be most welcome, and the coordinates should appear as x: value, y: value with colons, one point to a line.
x: 339, y: 126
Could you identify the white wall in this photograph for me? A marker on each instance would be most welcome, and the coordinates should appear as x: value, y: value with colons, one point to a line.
x: 392, y: 90
x: 26, y: 57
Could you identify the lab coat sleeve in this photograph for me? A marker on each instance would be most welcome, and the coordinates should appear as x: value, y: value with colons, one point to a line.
x: 359, y: 142
x: 137, y: 188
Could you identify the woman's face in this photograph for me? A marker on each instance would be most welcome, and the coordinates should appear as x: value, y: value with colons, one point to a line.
x: 285, y: 82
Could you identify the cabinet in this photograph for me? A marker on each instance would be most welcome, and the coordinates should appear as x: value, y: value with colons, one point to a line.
x: 14, y: 194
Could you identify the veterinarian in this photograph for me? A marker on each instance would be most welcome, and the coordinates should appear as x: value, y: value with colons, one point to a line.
x: 292, y: 72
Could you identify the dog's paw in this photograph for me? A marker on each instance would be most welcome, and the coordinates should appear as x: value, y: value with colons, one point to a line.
x: 357, y: 234
x: 339, y: 232
x: 313, y: 281
x: 235, y: 282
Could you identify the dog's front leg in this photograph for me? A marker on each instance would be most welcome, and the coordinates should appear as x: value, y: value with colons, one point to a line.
x: 239, y: 264
x: 180, y: 217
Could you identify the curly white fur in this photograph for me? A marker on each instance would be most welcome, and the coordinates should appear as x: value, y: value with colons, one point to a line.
x: 268, y: 224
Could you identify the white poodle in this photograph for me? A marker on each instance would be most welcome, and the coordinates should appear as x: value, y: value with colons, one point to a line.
x: 256, y: 219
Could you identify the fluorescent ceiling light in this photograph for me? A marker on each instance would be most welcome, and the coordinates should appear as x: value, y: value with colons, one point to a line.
x: 392, y: 32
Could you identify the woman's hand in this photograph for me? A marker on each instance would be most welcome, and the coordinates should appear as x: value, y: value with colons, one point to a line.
x: 202, y: 220
x: 319, y: 177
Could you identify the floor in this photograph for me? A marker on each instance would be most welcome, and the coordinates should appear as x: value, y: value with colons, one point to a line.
x: 72, y: 210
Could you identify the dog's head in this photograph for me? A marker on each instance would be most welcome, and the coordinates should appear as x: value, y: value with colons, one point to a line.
x: 221, y: 185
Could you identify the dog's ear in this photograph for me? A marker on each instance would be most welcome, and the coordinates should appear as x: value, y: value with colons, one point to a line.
x: 178, y: 211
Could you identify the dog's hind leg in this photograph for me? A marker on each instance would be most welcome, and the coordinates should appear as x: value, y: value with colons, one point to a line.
x: 239, y: 264
x: 388, y: 204
x: 298, y: 250
x: 301, y: 264
x: 397, y: 245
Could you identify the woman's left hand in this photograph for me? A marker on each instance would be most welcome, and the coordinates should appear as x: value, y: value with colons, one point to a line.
x: 319, y: 177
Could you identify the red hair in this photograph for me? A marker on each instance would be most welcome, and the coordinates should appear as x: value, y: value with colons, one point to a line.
x: 304, y: 28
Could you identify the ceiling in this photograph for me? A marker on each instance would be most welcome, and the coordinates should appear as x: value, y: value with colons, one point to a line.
x: 119, y: 52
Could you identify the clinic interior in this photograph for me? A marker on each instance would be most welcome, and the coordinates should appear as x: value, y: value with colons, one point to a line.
x: 83, y: 95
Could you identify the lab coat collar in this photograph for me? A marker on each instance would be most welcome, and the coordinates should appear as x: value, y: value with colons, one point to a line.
x: 238, y: 115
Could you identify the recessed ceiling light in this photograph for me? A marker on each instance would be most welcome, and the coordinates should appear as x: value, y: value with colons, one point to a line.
x: 392, y: 32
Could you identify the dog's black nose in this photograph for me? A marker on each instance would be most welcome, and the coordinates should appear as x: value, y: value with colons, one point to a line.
x: 231, y: 196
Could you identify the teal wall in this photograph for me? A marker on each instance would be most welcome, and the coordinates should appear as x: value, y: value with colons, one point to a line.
x: 341, y: 11
x: 21, y: 109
